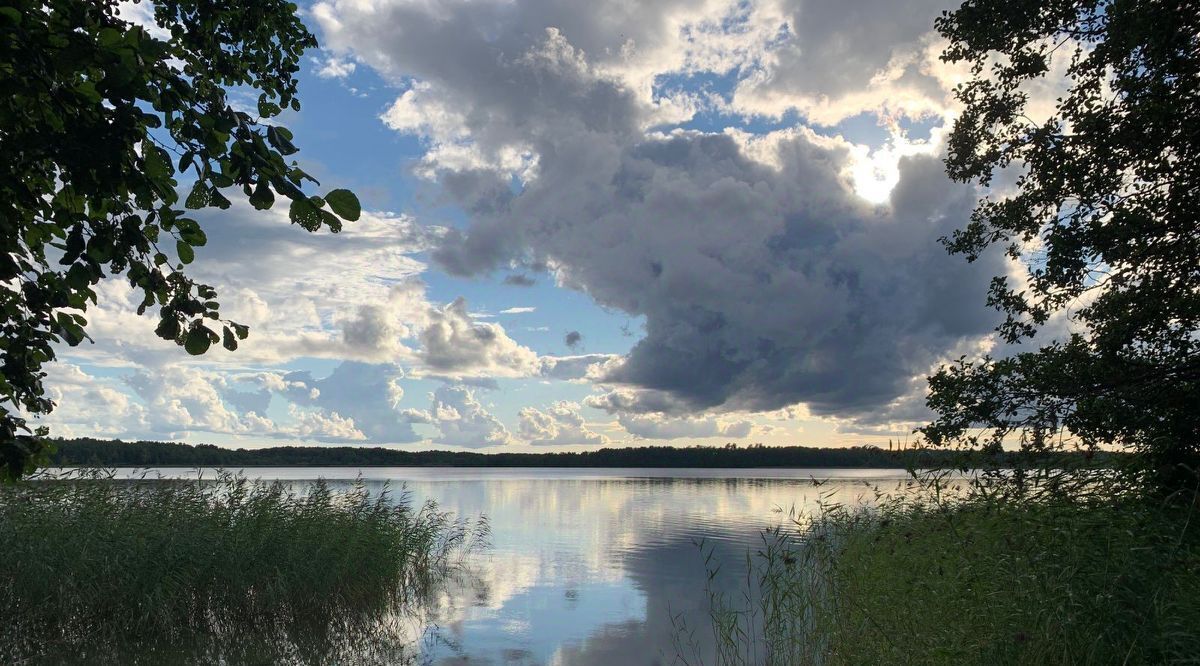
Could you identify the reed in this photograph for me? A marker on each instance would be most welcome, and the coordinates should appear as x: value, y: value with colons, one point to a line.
x: 919, y: 579
x: 88, y: 560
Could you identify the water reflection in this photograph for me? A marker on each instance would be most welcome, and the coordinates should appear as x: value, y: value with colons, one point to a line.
x: 597, y: 566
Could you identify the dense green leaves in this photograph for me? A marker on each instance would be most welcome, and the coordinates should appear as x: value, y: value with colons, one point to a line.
x: 1103, y: 216
x: 103, y: 125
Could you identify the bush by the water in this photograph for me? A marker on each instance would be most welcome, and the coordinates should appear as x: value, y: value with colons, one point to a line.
x: 90, y: 561
x: 1100, y: 579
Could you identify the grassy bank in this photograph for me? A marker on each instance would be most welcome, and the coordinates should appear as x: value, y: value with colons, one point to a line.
x: 143, y: 566
x: 976, y: 581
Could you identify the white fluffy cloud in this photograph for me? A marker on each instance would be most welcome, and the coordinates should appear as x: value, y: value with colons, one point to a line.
x: 454, y: 343
x: 182, y: 399
x: 90, y: 405
x: 355, y: 398
x: 326, y: 427
x: 462, y: 420
x: 333, y: 67
x: 560, y: 424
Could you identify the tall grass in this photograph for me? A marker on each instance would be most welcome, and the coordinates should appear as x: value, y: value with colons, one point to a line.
x: 922, y: 579
x: 157, y: 564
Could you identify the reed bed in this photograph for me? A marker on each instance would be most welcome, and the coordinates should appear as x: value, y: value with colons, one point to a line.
x: 921, y: 579
x: 150, y: 565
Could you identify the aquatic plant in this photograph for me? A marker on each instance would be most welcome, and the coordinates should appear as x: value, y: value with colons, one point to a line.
x: 91, y: 563
x: 968, y: 579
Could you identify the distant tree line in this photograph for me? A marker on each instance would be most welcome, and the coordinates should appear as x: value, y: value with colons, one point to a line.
x: 116, y: 453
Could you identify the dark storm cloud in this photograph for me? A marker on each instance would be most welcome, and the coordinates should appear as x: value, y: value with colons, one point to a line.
x: 763, y: 279
x: 761, y: 287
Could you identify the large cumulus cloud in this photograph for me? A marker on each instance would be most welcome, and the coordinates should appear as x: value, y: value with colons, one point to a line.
x: 763, y: 278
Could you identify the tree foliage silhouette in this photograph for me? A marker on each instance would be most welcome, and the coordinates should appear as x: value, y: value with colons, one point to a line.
x: 102, y: 121
x: 1103, y: 217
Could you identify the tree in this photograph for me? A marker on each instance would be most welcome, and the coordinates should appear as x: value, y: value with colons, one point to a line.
x: 100, y: 120
x: 1103, y: 217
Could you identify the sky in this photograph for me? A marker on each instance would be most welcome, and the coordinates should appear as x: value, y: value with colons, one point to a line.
x: 585, y: 224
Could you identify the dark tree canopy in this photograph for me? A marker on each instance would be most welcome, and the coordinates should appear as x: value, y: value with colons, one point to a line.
x: 1103, y: 216
x: 102, y: 122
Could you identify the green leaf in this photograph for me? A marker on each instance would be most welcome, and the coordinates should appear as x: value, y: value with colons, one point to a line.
x: 168, y: 328
x: 286, y: 188
x: 199, y: 197
x: 305, y: 214
x: 281, y: 139
x: 220, y: 201
x: 72, y: 332
x: 78, y: 276
x: 262, y: 198
x: 156, y: 162
x: 228, y: 340
x: 100, y: 249
x: 267, y: 108
x: 331, y: 221
x: 75, y: 244
x: 186, y: 254
x: 190, y: 231
x: 197, y: 341
x: 344, y: 203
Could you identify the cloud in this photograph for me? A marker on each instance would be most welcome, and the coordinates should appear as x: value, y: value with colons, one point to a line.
x: 636, y: 401
x: 566, y: 135
x: 521, y: 310
x: 333, y: 67
x: 832, y: 61
x: 559, y: 425
x: 573, y: 339
x: 763, y: 278
x: 519, y: 280
x: 462, y: 421
x: 90, y: 405
x: 325, y: 427
x: 655, y: 426
x: 181, y: 399
x: 355, y: 399
x: 585, y: 366
x: 454, y: 344
x: 352, y: 295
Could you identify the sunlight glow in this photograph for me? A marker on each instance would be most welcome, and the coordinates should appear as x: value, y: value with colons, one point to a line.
x: 876, y: 172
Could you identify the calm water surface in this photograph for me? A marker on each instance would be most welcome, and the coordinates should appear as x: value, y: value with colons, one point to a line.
x: 589, y: 566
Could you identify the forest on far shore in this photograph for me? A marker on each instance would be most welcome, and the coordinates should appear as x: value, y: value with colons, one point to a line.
x: 86, y: 451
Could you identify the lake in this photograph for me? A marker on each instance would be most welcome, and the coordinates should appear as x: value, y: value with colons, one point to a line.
x: 594, y: 566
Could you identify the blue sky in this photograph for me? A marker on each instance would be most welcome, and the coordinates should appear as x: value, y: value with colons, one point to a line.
x: 599, y: 224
